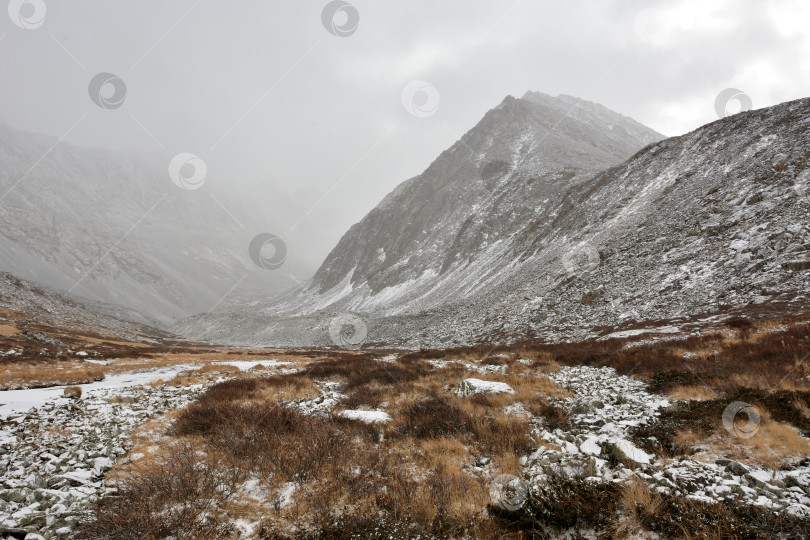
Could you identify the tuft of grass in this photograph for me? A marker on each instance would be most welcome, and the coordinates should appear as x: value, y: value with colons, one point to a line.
x: 774, y: 445
x: 689, y: 426
x: 8, y: 330
x: 639, y: 502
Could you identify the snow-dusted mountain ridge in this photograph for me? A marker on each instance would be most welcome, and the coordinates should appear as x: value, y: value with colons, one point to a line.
x: 547, y: 219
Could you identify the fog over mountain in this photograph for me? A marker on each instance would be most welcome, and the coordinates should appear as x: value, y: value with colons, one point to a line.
x: 154, y: 164
x: 111, y: 226
x: 311, y: 126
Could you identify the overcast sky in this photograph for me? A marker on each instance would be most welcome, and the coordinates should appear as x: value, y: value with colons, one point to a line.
x: 313, y: 124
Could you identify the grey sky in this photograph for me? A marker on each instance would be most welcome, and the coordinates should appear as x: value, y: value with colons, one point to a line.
x: 312, y: 126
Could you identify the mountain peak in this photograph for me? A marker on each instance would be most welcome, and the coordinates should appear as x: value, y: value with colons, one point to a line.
x: 508, y: 174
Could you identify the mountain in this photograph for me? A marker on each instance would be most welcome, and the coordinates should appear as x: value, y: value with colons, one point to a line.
x: 474, y: 197
x: 511, y: 235
x: 37, y: 323
x: 447, y: 236
x: 112, y: 227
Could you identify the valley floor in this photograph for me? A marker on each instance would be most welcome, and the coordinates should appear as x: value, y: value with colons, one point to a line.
x: 670, y: 436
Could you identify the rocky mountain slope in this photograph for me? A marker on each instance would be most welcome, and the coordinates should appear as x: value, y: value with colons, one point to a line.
x: 111, y: 226
x: 455, y: 230
x: 500, y: 183
x: 37, y: 323
x: 65, y: 310
x: 690, y: 225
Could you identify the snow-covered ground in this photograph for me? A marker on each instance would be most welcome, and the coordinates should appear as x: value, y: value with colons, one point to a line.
x: 55, y: 450
x: 472, y: 386
x: 18, y: 401
x: 53, y: 457
x: 606, y: 405
x: 369, y: 417
x: 245, y: 365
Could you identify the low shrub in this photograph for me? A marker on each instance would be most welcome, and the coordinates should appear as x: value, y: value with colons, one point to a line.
x: 232, y: 389
x: 362, y: 370
x: 364, y: 397
x: 269, y: 439
x: 678, y: 517
x: 562, y: 503
x: 176, y: 499
x: 433, y: 418
x: 553, y: 417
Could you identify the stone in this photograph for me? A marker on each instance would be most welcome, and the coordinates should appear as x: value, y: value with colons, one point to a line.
x: 472, y: 386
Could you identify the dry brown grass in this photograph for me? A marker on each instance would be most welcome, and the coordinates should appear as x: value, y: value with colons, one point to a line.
x: 90, y: 340
x: 42, y: 374
x: 638, y: 500
x: 638, y: 506
x: 8, y: 330
x: 756, y: 380
x: 421, y: 474
x: 287, y: 389
x: 692, y: 393
x: 774, y: 445
x: 803, y: 408
x: 529, y: 386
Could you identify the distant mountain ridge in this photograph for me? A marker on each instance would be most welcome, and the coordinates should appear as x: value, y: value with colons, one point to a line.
x: 29, y: 300
x: 111, y: 226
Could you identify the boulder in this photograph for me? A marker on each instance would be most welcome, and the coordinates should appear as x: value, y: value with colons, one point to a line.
x: 469, y: 387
